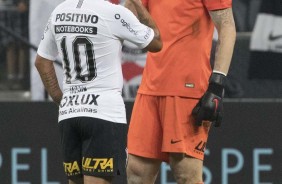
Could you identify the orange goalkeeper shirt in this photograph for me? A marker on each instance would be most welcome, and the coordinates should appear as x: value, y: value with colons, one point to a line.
x: 183, y: 67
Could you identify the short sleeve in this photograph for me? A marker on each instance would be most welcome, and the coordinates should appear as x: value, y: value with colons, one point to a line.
x: 126, y: 26
x: 47, y: 47
x: 217, y: 4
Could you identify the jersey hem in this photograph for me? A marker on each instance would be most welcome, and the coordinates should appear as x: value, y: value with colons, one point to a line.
x: 152, y: 156
x: 114, y: 120
x: 220, y: 6
x: 196, y: 95
x: 146, y: 155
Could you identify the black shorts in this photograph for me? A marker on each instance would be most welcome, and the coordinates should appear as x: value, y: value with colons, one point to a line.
x: 93, y: 147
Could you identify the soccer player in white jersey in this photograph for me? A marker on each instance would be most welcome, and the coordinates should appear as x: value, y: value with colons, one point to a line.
x: 88, y: 36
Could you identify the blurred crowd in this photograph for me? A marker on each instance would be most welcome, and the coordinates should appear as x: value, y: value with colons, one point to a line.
x: 13, y: 53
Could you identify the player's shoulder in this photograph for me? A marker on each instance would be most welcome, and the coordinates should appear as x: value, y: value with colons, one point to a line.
x: 63, y: 4
x: 107, y: 9
x: 109, y: 6
x: 117, y: 8
x: 59, y: 7
x: 100, y: 6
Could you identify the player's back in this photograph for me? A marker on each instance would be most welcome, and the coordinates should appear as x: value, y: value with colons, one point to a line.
x: 89, y: 49
x: 88, y: 36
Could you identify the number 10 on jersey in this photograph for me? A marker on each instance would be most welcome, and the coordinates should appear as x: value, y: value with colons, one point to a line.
x: 77, y: 59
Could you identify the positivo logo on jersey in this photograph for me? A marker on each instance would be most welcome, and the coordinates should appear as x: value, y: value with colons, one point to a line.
x: 77, y: 17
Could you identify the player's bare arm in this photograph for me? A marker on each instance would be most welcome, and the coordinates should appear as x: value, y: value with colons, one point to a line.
x: 131, y: 7
x: 47, y: 73
x: 224, y: 23
x: 206, y: 109
x: 145, y: 18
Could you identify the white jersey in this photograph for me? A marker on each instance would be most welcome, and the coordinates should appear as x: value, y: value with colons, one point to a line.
x: 88, y: 36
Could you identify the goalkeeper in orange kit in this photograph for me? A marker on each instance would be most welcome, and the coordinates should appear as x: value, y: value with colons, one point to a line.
x: 180, y: 93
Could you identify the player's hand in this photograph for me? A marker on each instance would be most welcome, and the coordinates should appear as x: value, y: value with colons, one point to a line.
x: 210, y: 107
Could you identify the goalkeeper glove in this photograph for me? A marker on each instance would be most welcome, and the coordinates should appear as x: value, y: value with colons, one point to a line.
x: 210, y: 107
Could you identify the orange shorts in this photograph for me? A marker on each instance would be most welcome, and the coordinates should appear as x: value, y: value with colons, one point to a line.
x: 163, y: 124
